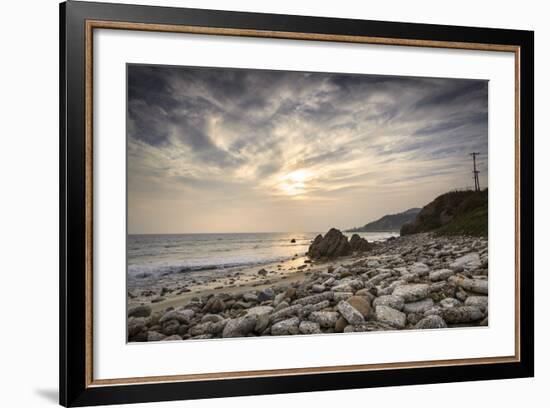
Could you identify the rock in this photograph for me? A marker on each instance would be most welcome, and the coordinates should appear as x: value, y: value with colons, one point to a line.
x: 356, y: 284
x: 293, y: 241
x: 262, y: 272
x: 259, y: 311
x: 155, y: 336
x: 170, y: 327
x: 262, y: 322
x: 316, y: 307
x: 201, y: 337
x: 183, y: 329
x: 139, y: 337
x: 173, y: 337
x: 368, y: 326
x: 153, y: 320
x: 471, y: 285
x: 410, y: 277
x: 393, y: 317
x: 341, y: 286
x: 431, y: 322
x: 377, y: 279
x: 366, y: 294
x: 214, y: 305
x: 450, y: 302
x: 241, y: 305
x: 341, y: 270
x: 324, y: 318
x: 419, y: 269
x: 340, y: 325
x: 290, y: 293
x: 339, y: 296
x: 250, y: 297
x: 413, y: 292
x: 240, y: 326
x: 281, y: 306
x: 467, y: 262
x: 314, y: 298
x: 441, y: 274
x: 285, y: 327
x: 286, y: 312
x: 436, y: 310
x: 181, y: 315
x: 359, y: 244
x: 139, y: 311
x: 135, y: 326
x: 216, y: 328
x: 395, y: 302
x: 328, y: 282
x: 402, y: 270
x: 199, y: 329
x: 419, y: 306
x: 278, y: 299
x: 461, y: 314
x: 372, y: 263
x: 361, y: 304
x: 478, y: 301
x: 307, y: 327
x: 317, y: 288
x: 214, y: 318
x: 352, y: 315
x: 266, y: 294
x: 413, y: 318
x: 438, y: 285
x: 332, y: 245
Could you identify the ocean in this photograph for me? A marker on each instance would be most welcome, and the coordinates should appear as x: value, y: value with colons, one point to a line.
x: 159, y: 255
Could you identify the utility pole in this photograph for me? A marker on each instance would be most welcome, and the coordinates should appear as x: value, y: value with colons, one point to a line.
x: 476, y: 171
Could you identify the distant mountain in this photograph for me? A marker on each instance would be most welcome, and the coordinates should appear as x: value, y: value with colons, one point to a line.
x: 392, y: 222
x: 453, y: 213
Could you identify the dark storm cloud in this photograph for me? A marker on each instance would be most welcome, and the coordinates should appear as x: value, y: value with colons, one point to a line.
x: 295, y: 134
x: 454, y: 91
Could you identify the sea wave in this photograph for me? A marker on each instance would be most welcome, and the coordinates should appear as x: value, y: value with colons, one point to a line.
x: 146, y: 271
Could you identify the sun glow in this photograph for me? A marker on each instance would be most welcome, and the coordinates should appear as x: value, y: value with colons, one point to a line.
x: 295, y: 183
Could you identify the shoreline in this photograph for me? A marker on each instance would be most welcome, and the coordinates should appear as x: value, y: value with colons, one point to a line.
x: 220, y: 281
x: 412, y: 282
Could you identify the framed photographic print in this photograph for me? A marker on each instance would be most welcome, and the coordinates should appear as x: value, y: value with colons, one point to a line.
x: 256, y: 204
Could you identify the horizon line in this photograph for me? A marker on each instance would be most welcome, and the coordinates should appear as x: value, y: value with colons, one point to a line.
x: 249, y: 232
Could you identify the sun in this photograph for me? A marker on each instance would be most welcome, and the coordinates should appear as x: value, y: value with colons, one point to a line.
x: 294, y: 183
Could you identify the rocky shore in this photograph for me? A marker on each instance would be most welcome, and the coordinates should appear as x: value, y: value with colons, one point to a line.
x: 419, y: 281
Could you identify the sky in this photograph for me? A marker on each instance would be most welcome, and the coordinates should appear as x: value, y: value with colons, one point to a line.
x: 241, y: 150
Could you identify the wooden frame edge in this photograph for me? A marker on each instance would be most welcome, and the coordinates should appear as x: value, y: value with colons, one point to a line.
x: 89, y: 206
x: 231, y: 375
x: 90, y: 25
x: 289, y: 35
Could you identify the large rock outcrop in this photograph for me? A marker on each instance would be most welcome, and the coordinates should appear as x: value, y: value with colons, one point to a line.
x: 332, y: 245
x: 359, y: 244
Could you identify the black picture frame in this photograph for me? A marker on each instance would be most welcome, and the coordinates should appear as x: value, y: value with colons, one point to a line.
x: 75, y: 389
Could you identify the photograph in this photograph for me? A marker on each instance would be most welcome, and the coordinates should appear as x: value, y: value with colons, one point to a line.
x: 277, y: 203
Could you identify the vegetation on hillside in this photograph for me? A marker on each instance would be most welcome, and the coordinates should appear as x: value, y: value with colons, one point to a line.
x: 453, y: 213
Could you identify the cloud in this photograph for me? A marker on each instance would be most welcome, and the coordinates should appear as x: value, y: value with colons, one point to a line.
x: 340, y: 147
